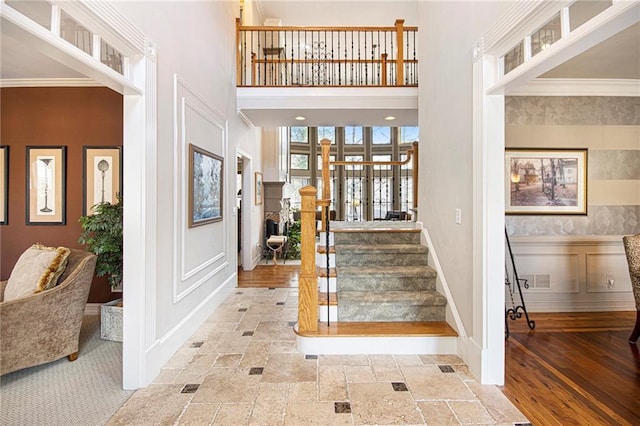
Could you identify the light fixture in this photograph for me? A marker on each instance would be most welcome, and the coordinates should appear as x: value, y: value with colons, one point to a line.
x: 389, y: 118
x: 301, y: 118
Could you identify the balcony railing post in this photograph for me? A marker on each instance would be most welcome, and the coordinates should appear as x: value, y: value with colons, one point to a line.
x: 415, y: 174
x: 400, y: 58
x: 308, y: 280
x: 384, y: 69
x: 238, y: 55
x: 253, y: 69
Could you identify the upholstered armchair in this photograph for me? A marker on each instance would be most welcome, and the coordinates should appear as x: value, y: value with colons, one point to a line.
x: 632, y: 249
x: 45, y: 326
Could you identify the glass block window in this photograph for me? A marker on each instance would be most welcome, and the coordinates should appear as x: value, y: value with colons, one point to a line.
x: 545, y: 36
x: 514, y: 58
x: 409, y: 134
x: 299, y: 134
x: 299, y: 162
x: 381, y: 135
x: 353, y: 135
x: 111, y: 57
x: 327, y: 133
x: 76, y: 34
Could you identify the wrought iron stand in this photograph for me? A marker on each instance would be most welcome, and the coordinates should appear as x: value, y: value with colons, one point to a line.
x: 514, y: 312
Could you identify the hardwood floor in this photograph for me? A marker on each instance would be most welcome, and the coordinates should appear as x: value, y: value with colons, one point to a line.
x: 573, y: 369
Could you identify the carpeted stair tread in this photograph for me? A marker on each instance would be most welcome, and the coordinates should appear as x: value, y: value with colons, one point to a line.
x: 381, y: 248
x: 408, y: 298
x: 423, y: 271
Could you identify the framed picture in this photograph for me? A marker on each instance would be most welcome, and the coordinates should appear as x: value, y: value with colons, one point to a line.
x: 4, y: 185
x: 205, y: 186
x: 101, y: 176
x: 46, y: 176
x: 546, y: 181
x: 259, y: 188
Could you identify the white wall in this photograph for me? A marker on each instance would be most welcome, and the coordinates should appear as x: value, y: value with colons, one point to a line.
x: 448, y: 33
x: 196, y: 103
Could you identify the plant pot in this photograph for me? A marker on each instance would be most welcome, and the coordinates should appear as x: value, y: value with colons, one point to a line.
x: 111, y: 321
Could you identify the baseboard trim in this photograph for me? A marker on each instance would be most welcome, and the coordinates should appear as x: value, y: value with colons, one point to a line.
x: 550, y: 306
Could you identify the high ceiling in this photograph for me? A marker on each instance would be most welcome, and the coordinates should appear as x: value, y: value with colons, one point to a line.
x: 615, y: 58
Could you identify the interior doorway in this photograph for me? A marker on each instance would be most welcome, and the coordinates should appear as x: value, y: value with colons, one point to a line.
x: 243, y: 208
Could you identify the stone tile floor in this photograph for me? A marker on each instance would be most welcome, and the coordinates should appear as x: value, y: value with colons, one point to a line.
x: 242, y: 368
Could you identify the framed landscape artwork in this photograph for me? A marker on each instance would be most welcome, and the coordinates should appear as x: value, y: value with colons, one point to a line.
x: 46, y: 174
x: 102, y: 176
x: 546, y: 181
x: 205, y: 186
x: 258, y: 188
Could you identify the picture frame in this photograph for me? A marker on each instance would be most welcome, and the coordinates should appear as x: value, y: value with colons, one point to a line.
x: 101, y: 176
x: 46, y: 185
x: 259, y: 189
x: 546, y: 181
x: 206, y: 184
x: 4, y: 184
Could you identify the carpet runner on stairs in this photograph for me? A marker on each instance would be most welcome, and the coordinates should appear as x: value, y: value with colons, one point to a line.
x: 383, y: 276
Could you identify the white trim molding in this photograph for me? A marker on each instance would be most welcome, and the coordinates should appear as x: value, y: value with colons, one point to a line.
x: 49, y: 82
x: 578, y: 87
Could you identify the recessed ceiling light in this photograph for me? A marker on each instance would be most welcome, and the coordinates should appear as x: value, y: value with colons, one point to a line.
x: 389, y: 118
x: 301, y: 118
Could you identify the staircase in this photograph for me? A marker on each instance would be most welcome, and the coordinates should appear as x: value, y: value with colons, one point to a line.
x: 383, y: 276
x: 380, y: 294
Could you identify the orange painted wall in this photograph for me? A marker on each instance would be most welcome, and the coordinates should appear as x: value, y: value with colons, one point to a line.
x: 56, y: 116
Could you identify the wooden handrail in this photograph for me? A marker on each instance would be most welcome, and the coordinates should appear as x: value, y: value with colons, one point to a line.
x: 301, y: 28
x: 326, y: 61
x: 375, y: 163
x: 308, y: 279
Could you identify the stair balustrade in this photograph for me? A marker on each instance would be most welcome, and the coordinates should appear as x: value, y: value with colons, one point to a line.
x: 276, y: 56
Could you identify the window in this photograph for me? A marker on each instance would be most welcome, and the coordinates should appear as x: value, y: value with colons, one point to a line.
x: 331, y: 158
x: 75, y: 33
x: 353, y: 135
x: 111, y: 57
x: 381, y: 135
x: 297, y: 183
x: 545, y: 36
x: 299, y: 161
x: 299, y: 135
x: 327, y: 133
x: 409, y: 134
x: 353, y: 158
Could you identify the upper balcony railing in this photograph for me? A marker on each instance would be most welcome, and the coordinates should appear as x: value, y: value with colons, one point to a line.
x: 327, y: 56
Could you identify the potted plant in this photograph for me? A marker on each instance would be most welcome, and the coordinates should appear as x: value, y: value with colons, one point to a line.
x: 102, y: 235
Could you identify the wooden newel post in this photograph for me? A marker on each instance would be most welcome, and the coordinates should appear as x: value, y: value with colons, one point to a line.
x: 308, y: 280
x: 400, y: 58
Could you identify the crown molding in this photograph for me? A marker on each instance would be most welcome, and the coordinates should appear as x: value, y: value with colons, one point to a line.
x: 578, y: 87
x: 49, y: 82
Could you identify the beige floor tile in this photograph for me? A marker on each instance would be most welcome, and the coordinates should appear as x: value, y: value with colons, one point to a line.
x: 344, y: 360
x: 224, y: 325
x: 471, y: 413
x: 228, y: 360
x: 314, y: 413
x: 289, y: 368
x: 167, y: 375
x: 272, y: 391
x: 498, y: 406
x: 428, y: 382
x: 155, y: 404
x: 274, y: 330
x: 360, y: 373
x: 198, y: 414
x: 382, y: 360
x: 267, y: 413
x: 181, y: 358
x: 388, y: 374
x: 408, y: 360
x: 249, y: 323
x: 437, y: 413
x: 232, y: 342
x: 227, y: 385
x: 378, y: 403
x: 332, y: 383
x: 289, y: 314
x: 303, y: 392
x: 283, y: 348
x: 267, y: 308
x: 232, y: 414
x: 226, y: 313
x: 464, y: 372
x: 441, y: 359
x: 256, y: 354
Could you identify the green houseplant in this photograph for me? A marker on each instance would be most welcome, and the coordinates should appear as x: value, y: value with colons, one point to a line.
x: 102, y: 235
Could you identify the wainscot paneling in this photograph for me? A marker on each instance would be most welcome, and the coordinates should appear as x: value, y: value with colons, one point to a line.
x: 573, y: 273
